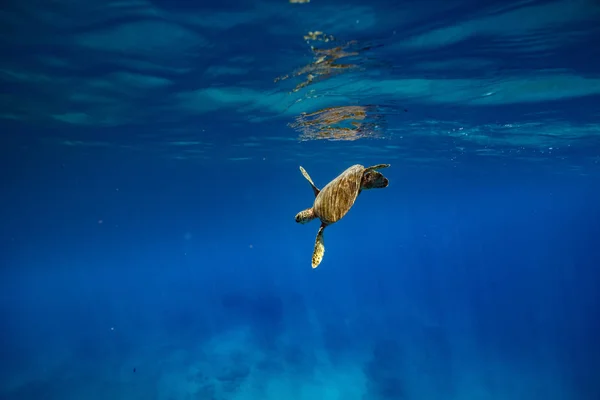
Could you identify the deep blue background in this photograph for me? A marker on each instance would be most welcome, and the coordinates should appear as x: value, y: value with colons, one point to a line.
x: 461, y: 267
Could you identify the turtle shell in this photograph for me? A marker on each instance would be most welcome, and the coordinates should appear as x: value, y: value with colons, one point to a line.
x: 339, y: 195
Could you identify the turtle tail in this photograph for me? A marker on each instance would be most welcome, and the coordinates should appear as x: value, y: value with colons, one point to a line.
x: 319, y: 250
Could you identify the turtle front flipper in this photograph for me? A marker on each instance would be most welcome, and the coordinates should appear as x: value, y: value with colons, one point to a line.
x: 319, y: 250
x: 314, y: 187
x: 376, y: 167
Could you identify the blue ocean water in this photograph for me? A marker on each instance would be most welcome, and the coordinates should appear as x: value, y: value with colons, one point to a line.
x: 150, y: 179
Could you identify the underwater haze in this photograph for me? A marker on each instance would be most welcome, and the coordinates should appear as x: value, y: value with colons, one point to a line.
x: 150, y: 178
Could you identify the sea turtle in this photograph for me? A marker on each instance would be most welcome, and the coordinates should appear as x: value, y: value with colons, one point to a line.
x: 337, y: 197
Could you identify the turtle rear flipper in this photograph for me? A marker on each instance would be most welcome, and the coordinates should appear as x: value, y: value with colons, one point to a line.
x: 319, y: 250
x: 314, y: 187
x: 305, y: 216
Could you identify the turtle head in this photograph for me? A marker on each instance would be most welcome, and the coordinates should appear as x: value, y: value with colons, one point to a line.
x: 305, y: 216
x: 374, y: 180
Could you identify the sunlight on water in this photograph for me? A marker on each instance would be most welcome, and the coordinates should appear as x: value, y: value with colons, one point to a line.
x: 411, y: 76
